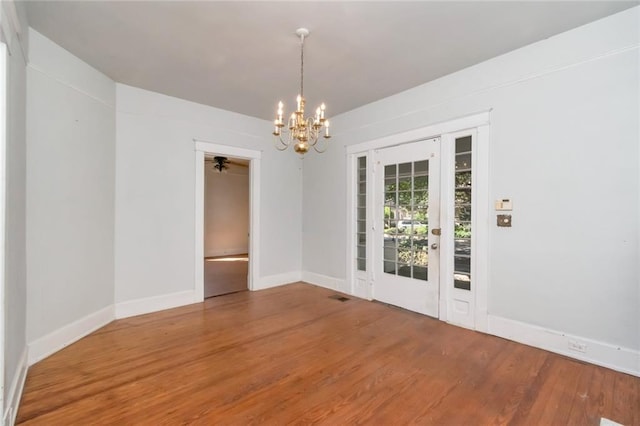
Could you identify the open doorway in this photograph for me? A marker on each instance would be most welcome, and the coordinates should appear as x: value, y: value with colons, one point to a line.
x: 226, y: 224
x: 209, y: 149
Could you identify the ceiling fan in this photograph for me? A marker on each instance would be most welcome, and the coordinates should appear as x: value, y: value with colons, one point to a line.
x: 221, y: 164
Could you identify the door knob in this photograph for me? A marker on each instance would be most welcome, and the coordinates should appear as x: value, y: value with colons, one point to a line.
x: 434, y: 246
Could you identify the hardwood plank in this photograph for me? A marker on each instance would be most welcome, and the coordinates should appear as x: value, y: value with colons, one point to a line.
x: 292, y: 355
x: 225, y: 274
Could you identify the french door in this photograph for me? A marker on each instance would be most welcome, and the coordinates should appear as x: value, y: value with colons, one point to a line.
x: 407, y: 226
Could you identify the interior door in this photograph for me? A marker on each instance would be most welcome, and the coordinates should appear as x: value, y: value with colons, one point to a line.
x: 407, y: 193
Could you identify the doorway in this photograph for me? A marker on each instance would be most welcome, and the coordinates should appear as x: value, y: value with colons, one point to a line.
x: 205, y: 148
x: 226, y: 225
x: 418, y: 220
x: 406, y: 247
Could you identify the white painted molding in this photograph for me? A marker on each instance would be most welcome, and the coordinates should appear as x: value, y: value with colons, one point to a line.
x: 147, y: 305
x: 11, y: 29
x: 199, y: 226
x: 277, y: 280
x: 604, y: 354
x: 70, y: 333
x: 325, y: 281
x: 3, y: 199
x: 432, y: 130
x: 237, y: 251
x: 229, y: 150
x: 14, y: 394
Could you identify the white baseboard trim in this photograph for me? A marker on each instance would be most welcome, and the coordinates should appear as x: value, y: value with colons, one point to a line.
x: 64, y: 336
x: 276, y: 280
x: 604, y: 354
x: 147, y: 305
x: 325, y: 281
x: 15, y: 391
x: 229, y: 252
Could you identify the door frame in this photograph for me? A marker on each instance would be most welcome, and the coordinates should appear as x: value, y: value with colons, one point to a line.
x: 477, y: 296
x: 202, y: 148
x: 3, y: 183
x: 360, y: 284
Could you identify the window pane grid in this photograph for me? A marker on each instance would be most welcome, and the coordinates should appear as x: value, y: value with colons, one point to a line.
x: 361, y: 215
x: 463, y: 209
x: 405, y: 219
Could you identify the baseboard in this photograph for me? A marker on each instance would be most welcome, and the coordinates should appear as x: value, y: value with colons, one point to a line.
x: 276, y: 280
x: 229, y: 252
x: 604, y: 354
x: 153, y: 304
x: 15, y: 391
x: 64, y: 336
x: 325, y: 281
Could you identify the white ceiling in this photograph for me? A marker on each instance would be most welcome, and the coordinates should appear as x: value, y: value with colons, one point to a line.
x: 244, y: 56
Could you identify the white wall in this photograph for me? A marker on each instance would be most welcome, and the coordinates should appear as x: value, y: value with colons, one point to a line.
x: 563, y: 146
x: 15, y: 288
x: 155, y: 192
x: 226, y: 211
x: 70, y: 189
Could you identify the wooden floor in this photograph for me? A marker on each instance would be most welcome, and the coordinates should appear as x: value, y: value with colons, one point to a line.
x: 293, y: 355
x: 225, y: 274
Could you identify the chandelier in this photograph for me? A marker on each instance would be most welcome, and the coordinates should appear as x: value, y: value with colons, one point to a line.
x: 303, y: 133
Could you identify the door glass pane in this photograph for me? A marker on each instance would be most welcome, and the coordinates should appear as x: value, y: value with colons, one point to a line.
x: 390, y: 198
x: 390, y: 171
x: 362, y: 238
x: 463, y: 245
x: 463, y: 161
x: 421, y: 167
x: 404, y: 169
x: 462, y: 281
x: 462, y: 264
x: 406, y: 219
x: 361, y: 215
x: 463, y: 145
x: 420, y: 251
x: 390, y: 267
x: 362, y: 265
x: 420, y: 272
x: 404, y: 270
x: 462, y: 230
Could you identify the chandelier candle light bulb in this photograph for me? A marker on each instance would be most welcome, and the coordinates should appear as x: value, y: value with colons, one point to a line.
x: 303, y: 133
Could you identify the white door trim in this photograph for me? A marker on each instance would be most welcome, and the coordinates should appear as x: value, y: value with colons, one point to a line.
x: 431, y: 131
x: 482, y: 207
x: 481, y: 123
x: 3, y: 198
x: 205, y: 147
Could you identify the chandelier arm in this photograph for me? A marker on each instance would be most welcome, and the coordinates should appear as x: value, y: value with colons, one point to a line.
x: 320, y: 151
x: 279, y: 144
x: 284, y: 148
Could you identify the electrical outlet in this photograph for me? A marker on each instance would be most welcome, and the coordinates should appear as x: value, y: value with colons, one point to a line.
x: 578, y: 346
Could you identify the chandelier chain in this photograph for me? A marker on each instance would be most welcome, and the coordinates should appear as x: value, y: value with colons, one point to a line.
x: 301, y: 65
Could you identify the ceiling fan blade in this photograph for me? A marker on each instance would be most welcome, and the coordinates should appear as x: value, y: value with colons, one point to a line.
x: 235, y: 163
